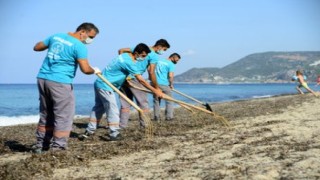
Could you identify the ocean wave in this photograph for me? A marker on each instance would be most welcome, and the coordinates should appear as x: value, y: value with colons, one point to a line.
x: 15, y: 120
x: 262, y: 96
x: 28, y: 119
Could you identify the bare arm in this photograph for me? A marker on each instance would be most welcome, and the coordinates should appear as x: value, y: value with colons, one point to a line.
x: 152, y: 75
x: 171, y: 75
x: 85, y: 67
x: 124, y: 50
x: 40, y: 46
x: 157, y: 92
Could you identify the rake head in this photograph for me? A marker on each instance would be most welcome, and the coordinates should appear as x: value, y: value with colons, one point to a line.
x: 148, y: 125
x: 208, y: 107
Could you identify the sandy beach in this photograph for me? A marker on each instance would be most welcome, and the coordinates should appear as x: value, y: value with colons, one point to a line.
x: 269, y: 138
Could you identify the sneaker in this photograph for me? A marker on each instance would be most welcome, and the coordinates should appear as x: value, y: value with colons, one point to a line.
x: 117, y: 138
x: 156, y: 119
x: 46, y: 147
x: 85, y: 135
x: 57, y: 149
x: 36, y: 150
x: 104, y: 127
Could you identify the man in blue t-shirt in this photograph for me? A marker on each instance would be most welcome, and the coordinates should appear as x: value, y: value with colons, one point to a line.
x: 105, y: 101
x: 141, y: 97
x: 165, y: 73
x: 57, y: 105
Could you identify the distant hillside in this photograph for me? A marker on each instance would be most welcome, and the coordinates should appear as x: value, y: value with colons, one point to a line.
x: 196, y: 74
x: 259, y: 67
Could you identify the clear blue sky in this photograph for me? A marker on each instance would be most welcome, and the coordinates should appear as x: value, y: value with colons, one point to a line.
x: 207, y: 33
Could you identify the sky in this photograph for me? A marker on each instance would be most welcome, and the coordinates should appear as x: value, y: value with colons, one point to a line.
x: 206, y: 33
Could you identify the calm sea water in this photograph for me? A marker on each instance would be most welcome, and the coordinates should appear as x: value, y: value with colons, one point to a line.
x: 19, y: 102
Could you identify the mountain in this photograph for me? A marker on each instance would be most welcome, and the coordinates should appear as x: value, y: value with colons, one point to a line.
x: 259, y: 67
x: 196, y: 75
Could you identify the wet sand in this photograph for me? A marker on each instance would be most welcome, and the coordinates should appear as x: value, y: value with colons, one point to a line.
x: 270, y: 138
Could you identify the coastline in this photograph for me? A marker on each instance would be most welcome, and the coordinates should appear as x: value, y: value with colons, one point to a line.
x: 271, y: 138
x: 222, y: 82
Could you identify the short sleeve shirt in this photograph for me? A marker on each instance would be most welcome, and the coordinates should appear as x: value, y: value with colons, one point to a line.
x: 117, y: 71
x: 60, y: 64
x: 162, y: 70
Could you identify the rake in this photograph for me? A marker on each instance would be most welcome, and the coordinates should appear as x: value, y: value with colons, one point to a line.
x: 165, y: 97
x: 148, y: 91
x: 202, y: 103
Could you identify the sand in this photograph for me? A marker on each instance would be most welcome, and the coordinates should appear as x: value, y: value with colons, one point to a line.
x: 270, y: 138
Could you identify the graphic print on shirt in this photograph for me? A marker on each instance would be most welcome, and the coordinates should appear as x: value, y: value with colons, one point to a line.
x: 55, y: 50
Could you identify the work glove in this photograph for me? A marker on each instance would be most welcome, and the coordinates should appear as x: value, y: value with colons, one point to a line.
x: 96, y: 70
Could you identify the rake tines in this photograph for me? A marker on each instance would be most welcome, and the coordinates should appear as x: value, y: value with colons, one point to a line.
x: 148, y: 125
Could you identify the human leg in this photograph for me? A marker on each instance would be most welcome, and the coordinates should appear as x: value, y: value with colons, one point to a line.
x: 299, y: 90
x: 311, y: 91
x: 45, y: 126
x: 125, y: 107
x: 169, y: 105
x: 64, y: 110
x: 109, y: 102
x: 96, y: 113
x: 141, y: 99
x: 156, y: 108
x: 305, y: 85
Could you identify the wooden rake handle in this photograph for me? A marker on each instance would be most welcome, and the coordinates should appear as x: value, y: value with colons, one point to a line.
x: 120, y: 93
x: 184, y: 104
x: 187, y: 104
x: 148, y: 91
x: 168, y: 98
x: 222, y: 119
x: 187, y: 96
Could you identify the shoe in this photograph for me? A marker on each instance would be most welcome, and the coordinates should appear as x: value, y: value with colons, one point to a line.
x: 156, y: 119
x: 85, y: 135
x: 36, y: 150
x: 104, y: 127
x: 117, y: 138
x: 46, y: 147
x: 57, y: 149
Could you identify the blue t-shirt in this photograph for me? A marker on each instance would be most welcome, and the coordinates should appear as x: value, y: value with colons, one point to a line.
x: 117, y: 71
x: 163, y: 68
x: 60, y: 64
x: 151, y: 58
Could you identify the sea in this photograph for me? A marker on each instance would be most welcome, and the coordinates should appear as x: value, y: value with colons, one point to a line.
x: 19, y: 103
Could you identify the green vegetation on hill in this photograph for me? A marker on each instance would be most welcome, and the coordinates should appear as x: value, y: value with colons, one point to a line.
x: 259, y: 67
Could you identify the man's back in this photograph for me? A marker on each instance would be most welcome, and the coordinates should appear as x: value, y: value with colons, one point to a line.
x: 60, y: 63
x: 117, y: 71
x: 163, y: 68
